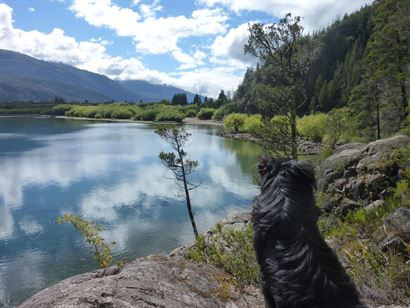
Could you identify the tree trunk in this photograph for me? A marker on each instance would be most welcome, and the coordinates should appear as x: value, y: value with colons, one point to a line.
x: 404, y: 99
x: 188, y: 199
x: 378, y: 120
x: 293, y: 130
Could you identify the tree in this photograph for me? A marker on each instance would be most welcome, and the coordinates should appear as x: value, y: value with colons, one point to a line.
x: 222, y: 99
x: 387, y: 54
x: 197, y: 99
x: 178, y: 163
x: 179, y: 99
x: 234, y: 122
x: 282, y: 46
x: 90, y: 231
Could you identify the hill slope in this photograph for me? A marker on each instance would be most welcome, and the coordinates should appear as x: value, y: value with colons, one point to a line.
x: 143, y: 90
x: 23, y: 78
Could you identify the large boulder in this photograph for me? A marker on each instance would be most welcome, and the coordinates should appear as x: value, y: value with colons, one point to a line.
x: 155, y: 281
x: 361, y: 173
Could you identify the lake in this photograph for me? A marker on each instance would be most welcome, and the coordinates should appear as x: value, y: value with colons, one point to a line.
x: 109, y: 173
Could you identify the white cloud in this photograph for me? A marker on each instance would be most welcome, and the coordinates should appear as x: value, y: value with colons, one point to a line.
x: 31, y: 9
x: 316, y: 13
x: 151, y: 35
x: 92, y: 55
x: 150, y: 10
x: 229, y: 48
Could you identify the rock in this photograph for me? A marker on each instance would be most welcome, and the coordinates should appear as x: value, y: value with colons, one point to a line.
x: 309, y: 148
x: 394, y: 235
x: 150, y: 282
x: 361, y: 173
x: 398, y: 223
x: 350, y: 146
x: 374, y: 205
x: 341, y: 160
x: 345, y: 206
x: 379, y: 150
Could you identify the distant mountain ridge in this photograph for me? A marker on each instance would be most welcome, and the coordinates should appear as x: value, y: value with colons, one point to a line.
x: 24, y: 79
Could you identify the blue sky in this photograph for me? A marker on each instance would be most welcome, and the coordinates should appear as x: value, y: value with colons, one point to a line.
x: 196, y: 45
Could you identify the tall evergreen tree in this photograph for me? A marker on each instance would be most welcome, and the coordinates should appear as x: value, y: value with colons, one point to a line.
x: 197, y: 99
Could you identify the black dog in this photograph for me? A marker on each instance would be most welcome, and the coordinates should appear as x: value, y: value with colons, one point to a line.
x: 298, y: 268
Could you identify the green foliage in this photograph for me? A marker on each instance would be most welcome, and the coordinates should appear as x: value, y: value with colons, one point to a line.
x: 234, y: 122
x: 190, y: 113
x: 197, y: 99
x: 148, y: 115
x: 253, y: 124
x: 224, y: 110
x: 205, y: 113
x: 339, y: 126
x: 90, y: 231
x: 120, y: 113
x: 17, y: 109
x: 170, y: 115
x: 179, y: 99
x: 361, y: 60
x: 386, y: 272
x: 240, y: 263
x: 274, y: 136
x: 313, y: 126
x: 218, y: 114
x: 178, y: 162
x: 61, y: 109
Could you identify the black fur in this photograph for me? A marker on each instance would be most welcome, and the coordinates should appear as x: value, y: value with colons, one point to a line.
x: 297, y: 266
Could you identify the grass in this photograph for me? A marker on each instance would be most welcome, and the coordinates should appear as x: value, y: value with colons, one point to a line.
x: 385, y: 272
x: 240, y: 262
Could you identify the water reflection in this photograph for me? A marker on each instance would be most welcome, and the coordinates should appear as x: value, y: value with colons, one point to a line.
x: 110, y: 173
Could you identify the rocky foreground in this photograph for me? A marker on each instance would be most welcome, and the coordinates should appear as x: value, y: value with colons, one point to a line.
x: 219, y: 270
x: 154, y: 281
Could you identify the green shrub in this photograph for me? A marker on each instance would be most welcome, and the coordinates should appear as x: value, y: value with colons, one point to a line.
x: 170, y: 115
x: 313, y: 127
x: 121, y: 113
x: 340, y: 127
x: 253, y: 124
x: 90, y: 231
x: 241, y: 263
x: 61, y: 109
x: 148, y: 115
x: 191, y: 113
x: 218, y: 114
x: 88, y: 111
x: 205, y: 113
x: 234, y: 122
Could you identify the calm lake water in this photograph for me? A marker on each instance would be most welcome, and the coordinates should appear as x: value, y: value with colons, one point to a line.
x: 109, y: 173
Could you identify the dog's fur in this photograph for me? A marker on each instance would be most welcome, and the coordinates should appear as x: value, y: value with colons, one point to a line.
x: 297, y: 266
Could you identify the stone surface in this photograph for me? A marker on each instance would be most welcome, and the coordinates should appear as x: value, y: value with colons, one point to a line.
x: 155, y: 281
x: 375, y: 205
x: 359, y: 172
x: 394, y: 234
x: 398, y: 223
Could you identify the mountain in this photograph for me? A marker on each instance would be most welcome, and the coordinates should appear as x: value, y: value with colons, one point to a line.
x: 143, y: 90
x: 23, y: 78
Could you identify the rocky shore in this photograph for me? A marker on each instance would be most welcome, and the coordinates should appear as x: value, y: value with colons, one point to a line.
x: 218, y: 270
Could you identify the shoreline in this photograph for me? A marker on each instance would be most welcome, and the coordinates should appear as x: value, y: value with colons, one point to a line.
x: 187, y: 121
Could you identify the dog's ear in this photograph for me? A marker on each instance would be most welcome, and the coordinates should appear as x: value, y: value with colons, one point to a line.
x: 304, y: 171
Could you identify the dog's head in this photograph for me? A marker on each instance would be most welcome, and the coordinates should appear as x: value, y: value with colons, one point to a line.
x: 296, y: 173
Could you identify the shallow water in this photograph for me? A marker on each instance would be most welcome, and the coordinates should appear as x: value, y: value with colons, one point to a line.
x: 109, y: 173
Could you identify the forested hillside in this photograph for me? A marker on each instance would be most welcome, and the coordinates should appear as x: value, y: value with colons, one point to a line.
x: 361, y: 61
